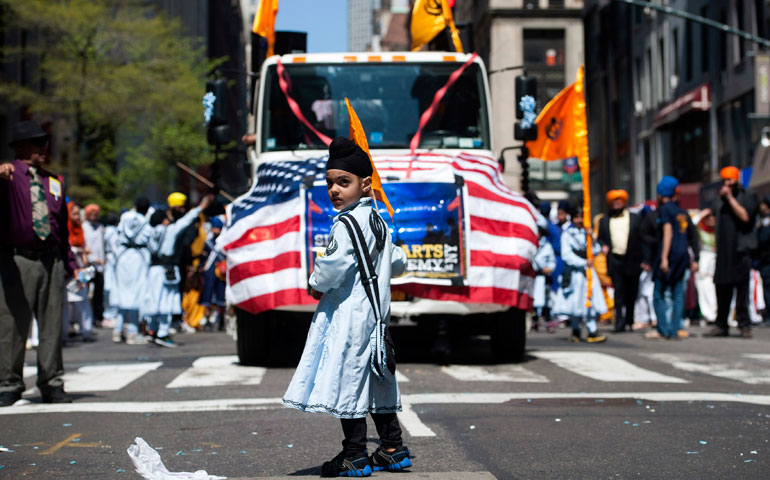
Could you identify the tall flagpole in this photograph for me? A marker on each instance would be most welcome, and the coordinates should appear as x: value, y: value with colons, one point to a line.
x: 581, y: 144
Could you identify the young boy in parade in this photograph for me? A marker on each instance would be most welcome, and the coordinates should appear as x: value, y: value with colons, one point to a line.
x: 544, y: 264
x: 162, y: 298
x: 571, y: 299
x: 342, y: 370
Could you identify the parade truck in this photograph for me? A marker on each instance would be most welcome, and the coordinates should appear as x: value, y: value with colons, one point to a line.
x: 469, y: 239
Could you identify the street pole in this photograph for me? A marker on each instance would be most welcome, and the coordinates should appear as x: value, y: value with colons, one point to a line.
x: 698, y: 19
x: 713, y: 127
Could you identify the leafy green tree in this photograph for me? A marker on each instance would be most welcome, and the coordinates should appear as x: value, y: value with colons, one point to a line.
x: 126, y: 84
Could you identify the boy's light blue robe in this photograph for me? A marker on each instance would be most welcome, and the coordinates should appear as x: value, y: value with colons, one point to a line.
x: 162, y: 296
x: 131, y: 264
x: 572, y: 299
x: 544, y: 258
x: 335, y: 373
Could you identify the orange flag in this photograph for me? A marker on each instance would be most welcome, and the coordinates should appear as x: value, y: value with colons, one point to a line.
x: 358, y: 135
x: 264, y: 23
x: 429, y: 18
x: 562, y: 132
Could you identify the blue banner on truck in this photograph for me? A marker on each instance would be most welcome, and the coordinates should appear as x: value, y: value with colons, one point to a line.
x: 429, y: 225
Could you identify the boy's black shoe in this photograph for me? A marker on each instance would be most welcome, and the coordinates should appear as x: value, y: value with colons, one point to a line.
x: 55, y: 395
x: 342, y: 466
x: 398, y: 459
x: 9, y: 398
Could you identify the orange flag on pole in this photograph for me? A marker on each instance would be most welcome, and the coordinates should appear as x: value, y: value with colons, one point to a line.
x: 562, y: 132
x: 429, y: 18
x: 264, y: 23
x: 358, y: 136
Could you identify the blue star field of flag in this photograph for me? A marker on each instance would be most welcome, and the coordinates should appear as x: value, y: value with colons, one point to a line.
x: 277, y: 182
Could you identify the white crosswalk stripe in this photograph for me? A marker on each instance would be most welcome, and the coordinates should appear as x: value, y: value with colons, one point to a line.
x: 213, y: 371
x: 604, y: 367
x: 100, y: 378
x: 739, y: 370
x: 504, y: 373
x: 218, y: 371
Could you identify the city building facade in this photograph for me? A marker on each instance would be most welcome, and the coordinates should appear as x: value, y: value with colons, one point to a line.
x: 669, y: 96
x: 544, y: 36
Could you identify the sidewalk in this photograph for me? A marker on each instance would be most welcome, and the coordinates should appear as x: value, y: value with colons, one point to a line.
x: 400, y: 475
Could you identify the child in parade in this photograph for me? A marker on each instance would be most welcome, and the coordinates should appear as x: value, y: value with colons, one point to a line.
x: 571, y: 300
x: 544, y: 264
x: 163, y: 298
x: 341, y: 371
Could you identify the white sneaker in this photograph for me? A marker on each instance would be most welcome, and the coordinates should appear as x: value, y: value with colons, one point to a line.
x: 135, y: 339
x: 186, y: 328
x: 117, y: 336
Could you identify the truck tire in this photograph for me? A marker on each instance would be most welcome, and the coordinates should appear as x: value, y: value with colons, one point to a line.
x: 253, y: 338
x: 509, y: 336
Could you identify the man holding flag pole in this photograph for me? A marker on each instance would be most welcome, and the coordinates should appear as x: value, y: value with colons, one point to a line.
x: 562, y: 134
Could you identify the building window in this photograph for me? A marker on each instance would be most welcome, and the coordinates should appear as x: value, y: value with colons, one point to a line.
x: 544, y: 59
x: 723, y: 45
x: 704, y: 42
x: 739, y: 13
x: 688, y: 48
x: 662, y: 74
x: 675, y: 54
x: 650, y: 97
x: 638, y: 81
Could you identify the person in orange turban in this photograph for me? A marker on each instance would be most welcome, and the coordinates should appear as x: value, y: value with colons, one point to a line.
x: 731, y: 173
x: 617, y: 195
x: 736, y: 213
x: 621, y: 244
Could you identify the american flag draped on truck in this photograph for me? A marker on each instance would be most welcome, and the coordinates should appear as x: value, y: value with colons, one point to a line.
x: 266, y: 239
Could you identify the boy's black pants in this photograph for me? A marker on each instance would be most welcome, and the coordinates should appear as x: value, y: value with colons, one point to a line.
x: 354, y: 429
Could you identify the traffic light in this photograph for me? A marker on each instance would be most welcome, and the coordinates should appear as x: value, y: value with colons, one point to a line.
x: 215, y: 112
x: 526, y: 102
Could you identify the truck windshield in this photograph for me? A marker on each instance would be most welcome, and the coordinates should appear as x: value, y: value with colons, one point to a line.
x: 388, y: 98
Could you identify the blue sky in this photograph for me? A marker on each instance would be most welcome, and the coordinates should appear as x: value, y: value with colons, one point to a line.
x: 325, y: 22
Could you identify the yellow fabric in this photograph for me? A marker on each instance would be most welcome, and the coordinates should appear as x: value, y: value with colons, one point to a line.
x: 176, y: 199
x: 193, y: 312
x: 358, y: 136
x: 429, y: 18
x: 562, y: 132
x: 620, y: 227
x: 264, y: 23
x: 196, y: 247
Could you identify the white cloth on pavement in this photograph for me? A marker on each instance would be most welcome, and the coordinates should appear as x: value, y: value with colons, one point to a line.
x: 149, y: 465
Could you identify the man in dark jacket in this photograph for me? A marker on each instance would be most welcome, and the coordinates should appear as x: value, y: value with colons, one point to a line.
x: 622, y: 245
x: 736, y: 213
x: 763, y: 252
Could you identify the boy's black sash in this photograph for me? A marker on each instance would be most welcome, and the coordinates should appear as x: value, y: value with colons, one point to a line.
x: 371, y: 286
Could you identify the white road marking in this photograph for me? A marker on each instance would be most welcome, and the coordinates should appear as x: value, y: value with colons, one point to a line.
x: 764, y: 357
x: 218, y: 371
x: 235, y: 404
x: 401, y: 378
x: 408, y: 419
x: 733, y: 370
x: 100, y: 378
x: 505, y: 373
x: 605, y: 368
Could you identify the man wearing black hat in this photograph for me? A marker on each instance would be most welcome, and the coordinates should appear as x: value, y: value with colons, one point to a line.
x: 34, y: 259
x: 763, y: 252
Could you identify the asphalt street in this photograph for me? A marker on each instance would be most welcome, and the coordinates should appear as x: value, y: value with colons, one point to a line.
x: 629, y: 408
